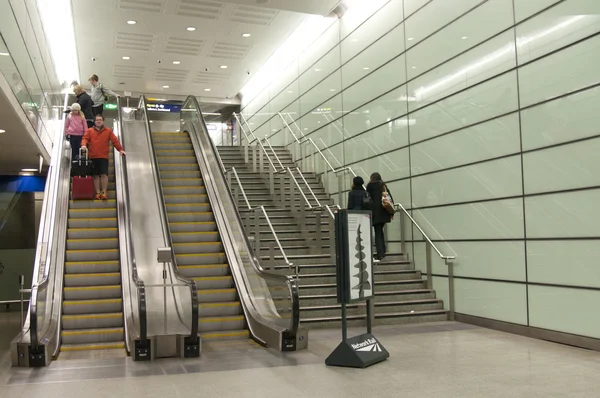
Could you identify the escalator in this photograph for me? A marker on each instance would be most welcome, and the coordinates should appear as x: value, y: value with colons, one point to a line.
x: 92, y: 312
x: 196, y: 241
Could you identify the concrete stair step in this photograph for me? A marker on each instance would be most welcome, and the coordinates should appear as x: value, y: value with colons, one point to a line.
x: 381, y: 307
x: 380, y: 319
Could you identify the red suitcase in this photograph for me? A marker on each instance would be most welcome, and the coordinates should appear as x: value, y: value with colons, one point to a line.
x: 83, y: 188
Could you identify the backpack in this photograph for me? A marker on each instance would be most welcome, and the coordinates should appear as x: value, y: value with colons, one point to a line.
x: 104, y: 95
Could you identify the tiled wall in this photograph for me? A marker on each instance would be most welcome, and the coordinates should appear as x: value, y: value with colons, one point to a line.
x: 484, y: 119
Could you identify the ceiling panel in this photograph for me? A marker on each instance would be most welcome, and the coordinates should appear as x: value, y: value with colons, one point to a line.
x: 160, y: 37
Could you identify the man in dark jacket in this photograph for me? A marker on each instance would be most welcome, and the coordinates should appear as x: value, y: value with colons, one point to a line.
x: 381, y: 217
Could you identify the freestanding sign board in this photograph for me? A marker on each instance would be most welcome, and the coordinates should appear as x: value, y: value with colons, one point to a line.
x: 354, y: 266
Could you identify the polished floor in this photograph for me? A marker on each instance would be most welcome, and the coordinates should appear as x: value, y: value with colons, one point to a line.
x: 427, y: 360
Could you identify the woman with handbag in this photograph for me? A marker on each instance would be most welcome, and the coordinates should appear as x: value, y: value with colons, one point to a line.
x: 383, y: 211
x: 358, y: 197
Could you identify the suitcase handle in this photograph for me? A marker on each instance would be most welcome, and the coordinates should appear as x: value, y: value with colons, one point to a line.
x: 86, y: 154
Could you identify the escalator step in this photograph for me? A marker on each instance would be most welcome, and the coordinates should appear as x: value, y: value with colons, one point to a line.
x: 94, y: 346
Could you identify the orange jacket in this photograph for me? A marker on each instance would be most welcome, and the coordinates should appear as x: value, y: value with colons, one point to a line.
x: 98, y: 142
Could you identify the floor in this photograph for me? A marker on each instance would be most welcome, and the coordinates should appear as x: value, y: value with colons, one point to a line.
x: 426, y: 360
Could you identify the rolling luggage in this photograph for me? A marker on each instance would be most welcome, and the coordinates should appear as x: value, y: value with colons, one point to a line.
x: 82, y: 187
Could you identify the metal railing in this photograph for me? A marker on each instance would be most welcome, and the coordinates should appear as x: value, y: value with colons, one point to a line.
x: 126, y: 230
x: 174, y: 272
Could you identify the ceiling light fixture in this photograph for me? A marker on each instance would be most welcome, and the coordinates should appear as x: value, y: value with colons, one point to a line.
x: 464, y: 37
x: 176, y: 62
x: 410, y: 39
x: 290, y: 92
x: 366, y: 68
x: 131, y: 22
x: 165, y: 86
x: 2, y: 131
x: 207, y: 89
x: 126, y: 58
x: 333, y: 89
x: 317, y: 70
x: 5, y: 54
x: 29, y: 170
x: 223, y: 67
x: 191, y: 28
x: 246, y: 35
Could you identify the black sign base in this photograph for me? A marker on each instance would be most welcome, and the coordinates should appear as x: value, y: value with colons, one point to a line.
x: 358, y: 352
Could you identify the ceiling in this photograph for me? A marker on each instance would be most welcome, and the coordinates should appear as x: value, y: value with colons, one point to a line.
x: 17, y: 149
x: 103, y: 37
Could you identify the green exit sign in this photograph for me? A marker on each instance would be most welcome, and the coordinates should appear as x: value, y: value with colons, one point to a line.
x: 110, y: 106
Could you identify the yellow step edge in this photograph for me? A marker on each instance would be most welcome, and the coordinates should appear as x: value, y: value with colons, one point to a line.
x: 185, y: 195
x: 92, y: 240
x: 222, y: 319
x: 91, y: 229
x: 92, y: 347
x: 189, y: 204
x: 80, y: 288
x: 93, y: 251
x: 196, y: 213
x: 94, y: 331
x: 215, y: 305
x: 216, y: 291
x: 88, y: 302
x: 93, y: 209
x: 92, y: 275
x: 93, y: 219
x: 199, y: 254
x: 208, y: 266
x: 177, y: 157
x: 174, y: 150
x: 182, y: 187
x: 94, y: 200
x: 195, y: 233
x: 111, y: 262
x: 225, y: 334
x: 94, y: 316
x: 213, y: 278
x: 176, y: 164
x: 196, y: 243
x: 181, y: 179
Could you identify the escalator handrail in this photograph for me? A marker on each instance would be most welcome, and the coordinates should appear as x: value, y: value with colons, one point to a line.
x: 167, y: 229
x: 139, y: 283
x: 291, y: 282
x: 48, y: 211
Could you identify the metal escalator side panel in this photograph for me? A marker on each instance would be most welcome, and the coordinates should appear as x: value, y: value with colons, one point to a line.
x: 265, y: 322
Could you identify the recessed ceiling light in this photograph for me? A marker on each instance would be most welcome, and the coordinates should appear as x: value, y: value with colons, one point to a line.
x: 191, y: 28
x: 246, y: 35
x: 151, y: 121
x: 131, y: 22
x: 176, y: 62
x: 290, y: 92
x: 414, y: 67
x: 126, y: 58
x: 5, y: 54
x: 410, y: 39
x: 2, y: 131
x: 464, y: 37
x: 223, y: 66
x: 366, y: 68
x: 305, y: 128
x: 165, y: 86
x: 317, y: 70
x: 207, y: 89
x: 29, y: 170
x: 333, y: 89
x: 318, y: 122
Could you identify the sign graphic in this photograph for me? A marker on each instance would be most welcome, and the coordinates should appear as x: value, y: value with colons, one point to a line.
x: 360, y: 256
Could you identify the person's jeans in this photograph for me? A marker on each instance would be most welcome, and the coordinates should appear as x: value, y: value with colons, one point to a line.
x: 379, y: 240
x: 97, y: 110
x: 75, y: 141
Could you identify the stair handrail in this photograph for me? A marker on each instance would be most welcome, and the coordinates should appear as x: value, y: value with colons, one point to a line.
x: 167, y: 231
x: 312, y: 142
x: 126, y: 212
x: 399, y: 208
x: 262, y: 147
x: 250, y: 208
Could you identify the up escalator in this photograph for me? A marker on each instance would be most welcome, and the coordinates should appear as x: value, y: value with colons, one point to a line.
x: 196, y: 241
x: 92, y: 313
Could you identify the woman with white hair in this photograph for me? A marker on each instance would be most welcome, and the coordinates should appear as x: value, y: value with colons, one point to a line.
x: 75, y: 128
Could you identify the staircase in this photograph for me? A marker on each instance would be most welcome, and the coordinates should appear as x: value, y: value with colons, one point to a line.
x: 401, y: 295
x: 196, y: 241
x: 92, y: 316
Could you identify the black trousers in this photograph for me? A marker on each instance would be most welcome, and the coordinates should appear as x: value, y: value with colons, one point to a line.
x: 75, y: 141
x: 379, y: 240
x: 97, y: 110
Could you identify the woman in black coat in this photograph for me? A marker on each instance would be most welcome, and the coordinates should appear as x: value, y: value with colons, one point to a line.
x: 356, y: 197
x: 86, y: 103
x: 380, y: 215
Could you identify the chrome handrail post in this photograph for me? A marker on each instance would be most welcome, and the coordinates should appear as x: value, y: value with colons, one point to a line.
x: 402, y: 232
x: 428, y: 265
